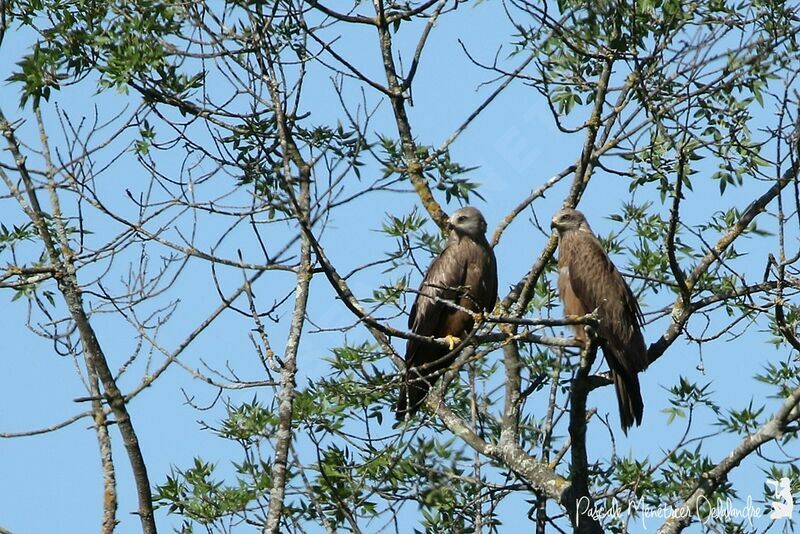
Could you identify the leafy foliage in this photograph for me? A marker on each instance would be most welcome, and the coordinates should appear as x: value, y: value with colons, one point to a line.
x: 689, y: 105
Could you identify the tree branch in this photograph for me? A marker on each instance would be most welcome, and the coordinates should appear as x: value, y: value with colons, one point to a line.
x: 713, y: 478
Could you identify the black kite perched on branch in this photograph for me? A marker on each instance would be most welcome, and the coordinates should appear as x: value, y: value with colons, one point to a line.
x: 465, y: 274
x: 588, y: 281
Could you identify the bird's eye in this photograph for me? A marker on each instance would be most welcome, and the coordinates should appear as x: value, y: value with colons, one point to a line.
x: 462, y: 218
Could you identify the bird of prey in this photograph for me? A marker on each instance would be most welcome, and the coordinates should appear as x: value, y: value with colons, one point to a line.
x: 465, y: 274
x: 588, y: 281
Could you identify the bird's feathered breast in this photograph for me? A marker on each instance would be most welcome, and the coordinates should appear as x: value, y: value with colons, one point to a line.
x: 465, y: 273
x: 587, y: 273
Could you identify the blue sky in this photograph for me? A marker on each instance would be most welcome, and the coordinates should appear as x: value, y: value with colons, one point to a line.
x: 52, y: 482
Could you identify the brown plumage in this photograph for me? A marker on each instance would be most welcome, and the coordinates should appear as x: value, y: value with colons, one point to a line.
x: 587, y: 281
x: 465, y: 273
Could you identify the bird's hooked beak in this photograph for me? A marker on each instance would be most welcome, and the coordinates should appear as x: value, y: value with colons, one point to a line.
x: 553, y: 224
x: 450, y: 225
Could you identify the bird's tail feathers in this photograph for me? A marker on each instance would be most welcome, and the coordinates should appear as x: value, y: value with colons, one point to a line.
x: 629, y: 399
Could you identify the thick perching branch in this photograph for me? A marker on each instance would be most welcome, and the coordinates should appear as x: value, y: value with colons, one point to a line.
x: 583, y: 521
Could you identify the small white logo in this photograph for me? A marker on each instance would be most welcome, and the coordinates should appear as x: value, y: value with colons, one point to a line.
x: 783, y: 504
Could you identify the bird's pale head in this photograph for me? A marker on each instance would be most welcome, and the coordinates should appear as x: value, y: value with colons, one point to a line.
x: 569, y: 219
x: 467, y: 221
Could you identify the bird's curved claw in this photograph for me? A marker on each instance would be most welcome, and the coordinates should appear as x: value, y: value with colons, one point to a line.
x: 452, y: 341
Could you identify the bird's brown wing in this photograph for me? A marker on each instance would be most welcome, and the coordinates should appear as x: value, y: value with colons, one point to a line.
x: 488, y: 281
x: 596, y: 282
x: 444, y: 276
x: 465, y: 273
x: 480, y: 277
x: 430, y: 317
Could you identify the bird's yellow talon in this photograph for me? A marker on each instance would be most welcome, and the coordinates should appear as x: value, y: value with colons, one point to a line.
x: 452, y: 341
